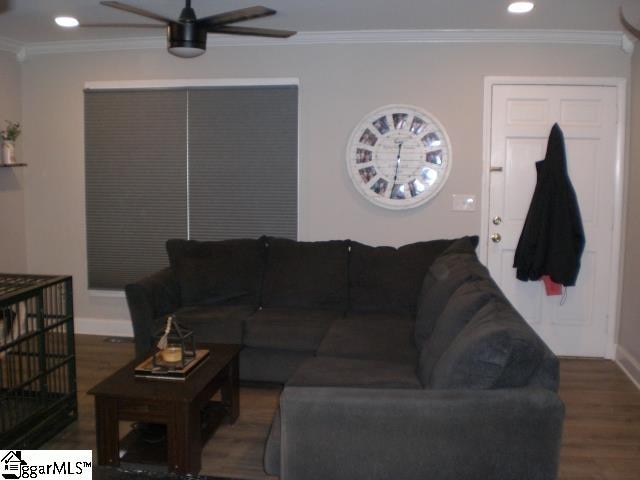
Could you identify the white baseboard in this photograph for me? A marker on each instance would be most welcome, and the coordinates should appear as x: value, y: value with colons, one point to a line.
x: 629, y: 365
x: 101, y: 326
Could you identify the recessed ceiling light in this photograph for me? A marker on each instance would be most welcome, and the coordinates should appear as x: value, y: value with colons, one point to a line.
x: 520, y: 7
x: 67, y: 22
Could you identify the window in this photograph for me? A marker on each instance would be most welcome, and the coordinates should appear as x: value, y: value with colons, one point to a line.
x: 205, y: 163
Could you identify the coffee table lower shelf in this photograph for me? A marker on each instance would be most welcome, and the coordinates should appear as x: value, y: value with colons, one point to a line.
x: 139, y: 453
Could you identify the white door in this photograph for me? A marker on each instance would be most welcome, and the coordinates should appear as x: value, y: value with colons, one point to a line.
x: 521, y: 120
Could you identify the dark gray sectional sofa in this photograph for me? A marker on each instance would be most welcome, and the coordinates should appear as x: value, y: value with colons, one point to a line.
x: 403, y: 363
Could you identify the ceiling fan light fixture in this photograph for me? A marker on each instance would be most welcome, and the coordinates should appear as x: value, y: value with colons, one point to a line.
x: 520, y: 7
x: 186, y: 52
x: 67, y: 22
x: 186, y: 40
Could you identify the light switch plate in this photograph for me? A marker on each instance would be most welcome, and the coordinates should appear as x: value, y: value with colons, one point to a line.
x: 463, y: 202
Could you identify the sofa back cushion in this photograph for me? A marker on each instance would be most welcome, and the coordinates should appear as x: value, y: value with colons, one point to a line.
x: 463, y: 248
x: 496, y: 349
x: 444, y: 277
x: 465, y: 302
x: 547, y: 375
x: 388, y: 279
x: 306, y: 274
x: 217, y: 271
x: 466, y: 244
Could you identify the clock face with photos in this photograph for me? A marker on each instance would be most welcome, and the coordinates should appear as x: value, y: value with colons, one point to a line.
x: 399, y: 156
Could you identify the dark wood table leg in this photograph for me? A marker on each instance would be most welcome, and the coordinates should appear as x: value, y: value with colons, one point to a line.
x: 231, y: 391
x: 184, y: 443
x: 107, y: 431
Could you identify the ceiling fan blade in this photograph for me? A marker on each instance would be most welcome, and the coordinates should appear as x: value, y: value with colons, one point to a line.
x: 256, y: 32
x: 135, y: 10
x: 122, y: 25
x: 627, y: 24
x: 233, y: 16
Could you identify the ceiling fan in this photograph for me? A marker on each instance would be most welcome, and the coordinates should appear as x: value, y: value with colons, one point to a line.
x: 630, y: 17
x: 187, y: 36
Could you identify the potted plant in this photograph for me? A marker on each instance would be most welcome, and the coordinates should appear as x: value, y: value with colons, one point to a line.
x: 9, y: 136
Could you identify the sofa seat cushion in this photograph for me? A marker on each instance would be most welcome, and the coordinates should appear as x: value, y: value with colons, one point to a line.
x: 269, y: 365
x: 213, y: 272
x: 294, y: 329
x: 386, y: 337
x: 352, y: 372
x: 387, y: 279
x: 496, y: 349
x: 306, y: 274
x: 465, y: 302
x: 444, y: 277
x: 215, y: 324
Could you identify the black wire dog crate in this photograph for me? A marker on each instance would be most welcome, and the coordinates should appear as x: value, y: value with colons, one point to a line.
x: 37, y: 359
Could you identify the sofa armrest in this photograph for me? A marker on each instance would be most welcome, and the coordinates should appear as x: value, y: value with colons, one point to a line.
x: 348, y: 433
x: 149, y: 298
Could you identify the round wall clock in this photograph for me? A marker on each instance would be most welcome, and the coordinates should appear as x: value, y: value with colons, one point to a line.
x: 399, y: 156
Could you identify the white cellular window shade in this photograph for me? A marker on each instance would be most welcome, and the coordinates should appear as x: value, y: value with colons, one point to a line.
x: 202, y: 163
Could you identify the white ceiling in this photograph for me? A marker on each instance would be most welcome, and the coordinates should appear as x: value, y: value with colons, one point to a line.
x: 31, y: 21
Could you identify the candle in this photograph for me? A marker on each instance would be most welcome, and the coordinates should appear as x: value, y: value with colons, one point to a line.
x: 172, y: 354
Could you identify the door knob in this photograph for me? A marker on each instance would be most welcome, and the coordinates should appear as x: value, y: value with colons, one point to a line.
x: 496, y: 237
x: 497, y: 220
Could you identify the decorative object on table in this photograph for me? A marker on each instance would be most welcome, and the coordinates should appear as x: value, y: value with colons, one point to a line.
x: 176, y: 345
x: 9, y: 136
x: 552, y: 238
x: 187, y: 36
x: 176, y: 355
x: 399, y: 157
x: 161, y: 370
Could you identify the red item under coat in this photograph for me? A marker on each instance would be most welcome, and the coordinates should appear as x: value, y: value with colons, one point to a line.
x: 552, y: 288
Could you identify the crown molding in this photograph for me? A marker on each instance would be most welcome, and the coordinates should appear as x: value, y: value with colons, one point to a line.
x: 87, y: 46
x: 628, y: 44
x: 11, y: 46
x: 568, y: 37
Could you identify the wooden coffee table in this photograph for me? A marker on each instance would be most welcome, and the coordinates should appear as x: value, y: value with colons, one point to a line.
x: 184, y: 406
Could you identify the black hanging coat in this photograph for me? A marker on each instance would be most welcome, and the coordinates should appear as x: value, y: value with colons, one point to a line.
x: 552, y: 238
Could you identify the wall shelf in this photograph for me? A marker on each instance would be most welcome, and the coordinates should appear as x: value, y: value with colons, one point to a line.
x: 10, y: 165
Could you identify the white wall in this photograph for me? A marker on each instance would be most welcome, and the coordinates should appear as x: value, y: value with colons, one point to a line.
x: 629, y: 331
x: 13, y: 257
x: 338, y: 85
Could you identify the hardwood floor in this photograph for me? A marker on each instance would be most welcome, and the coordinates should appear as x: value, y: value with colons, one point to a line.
x: 602, y: 424
x: 601, y: 435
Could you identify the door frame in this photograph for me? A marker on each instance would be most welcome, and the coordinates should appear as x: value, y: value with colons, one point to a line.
x: 619, y: 187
